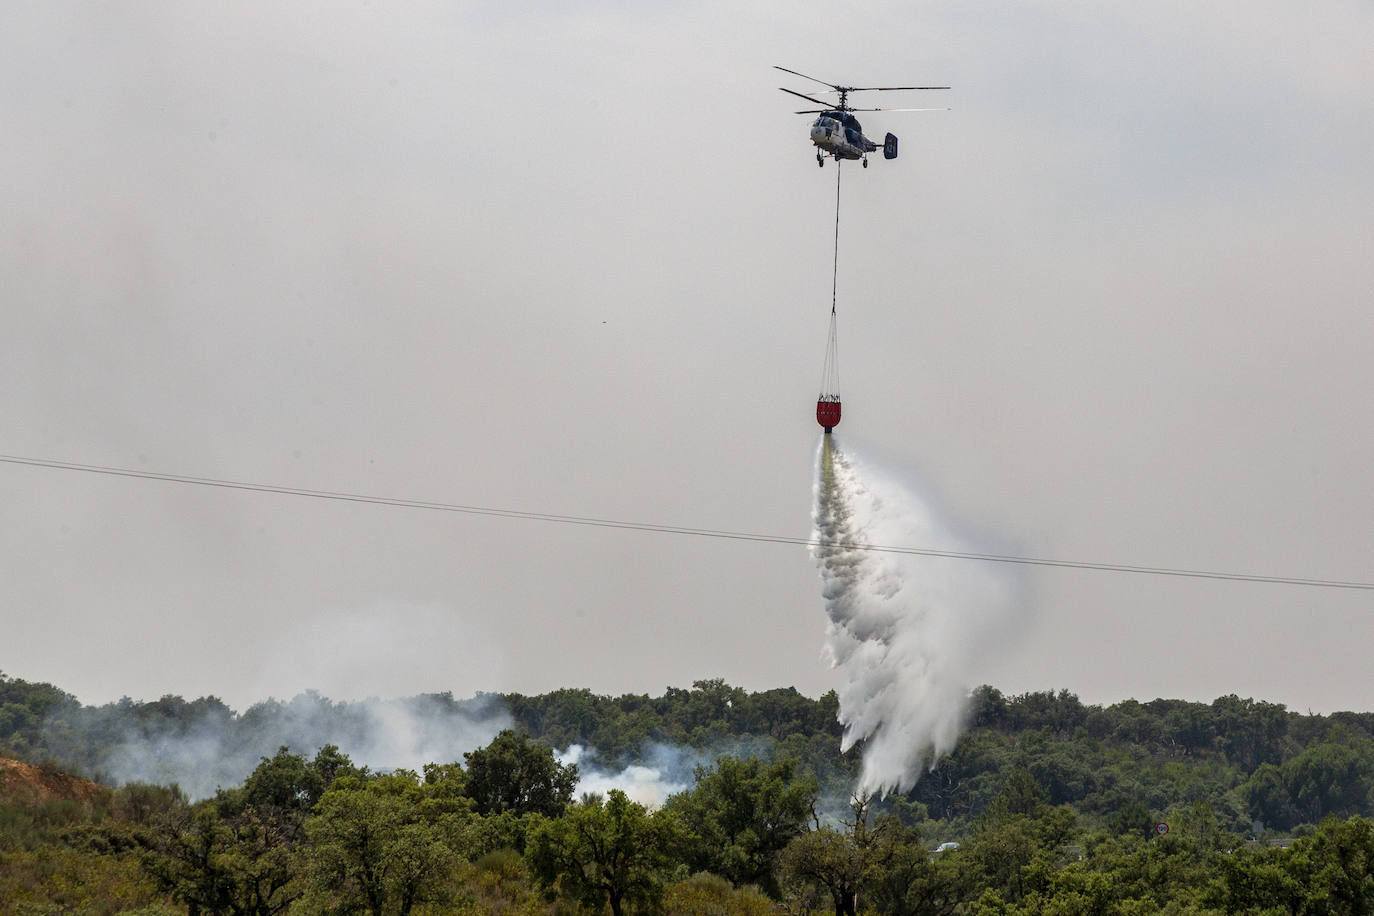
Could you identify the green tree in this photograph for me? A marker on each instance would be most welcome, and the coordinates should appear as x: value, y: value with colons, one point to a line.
x: 284, y: 781
x: 1019, y: 839
x: 1335, y: 868
x: 607, y: 852
x: 1267, y: 798
x: 241, y: 864
x: 1060, y: 712
x: 1328, y: 778
x: 828, y: 859
x: 1134, y: 820
x: 240, y: 851
x: 1021, y: 793
x: 836, y: 861
x: 740, y: 815
x: 1329, y: 872
x: 1255, y: 882
x: 383, y: 845
x: 881, y: 868
x: 515, y: 774
x: 905, y: 879
x: 1249, y: 732
x: 987, y: 707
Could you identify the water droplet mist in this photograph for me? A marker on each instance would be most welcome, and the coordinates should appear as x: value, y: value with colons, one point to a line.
x: 905, y: 631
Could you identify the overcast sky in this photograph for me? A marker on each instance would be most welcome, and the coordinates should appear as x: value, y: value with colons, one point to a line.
x: 575, y: 258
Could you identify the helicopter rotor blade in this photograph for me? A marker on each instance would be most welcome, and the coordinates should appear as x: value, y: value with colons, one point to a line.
x: 805, y: 77
x: 807, y: 97
x: 891, y: 88
x: 874, y: 89
x: 899, y: 109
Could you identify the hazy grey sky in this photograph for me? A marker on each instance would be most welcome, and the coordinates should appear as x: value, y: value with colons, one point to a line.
x: 575, y: 258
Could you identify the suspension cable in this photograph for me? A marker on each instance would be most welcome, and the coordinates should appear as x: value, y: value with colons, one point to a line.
x: 835, y: 275
x: 830, y: 371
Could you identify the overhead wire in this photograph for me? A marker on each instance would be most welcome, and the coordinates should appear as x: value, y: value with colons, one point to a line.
x: 674, y: 529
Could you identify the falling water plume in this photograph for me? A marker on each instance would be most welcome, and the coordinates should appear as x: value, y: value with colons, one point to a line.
x: 904, y: 631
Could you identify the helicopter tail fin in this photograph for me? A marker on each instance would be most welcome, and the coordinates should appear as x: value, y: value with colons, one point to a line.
x: 890, y: 146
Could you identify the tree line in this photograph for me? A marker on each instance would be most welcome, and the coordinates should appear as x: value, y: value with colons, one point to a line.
x: 1046, y: 805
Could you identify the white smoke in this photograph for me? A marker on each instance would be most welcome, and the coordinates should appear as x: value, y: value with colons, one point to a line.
x: 663, y: 771
x: 219, y: 749
x: 904, y: 630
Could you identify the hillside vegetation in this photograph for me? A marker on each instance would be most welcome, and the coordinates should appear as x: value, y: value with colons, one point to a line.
x: 1046, y: 805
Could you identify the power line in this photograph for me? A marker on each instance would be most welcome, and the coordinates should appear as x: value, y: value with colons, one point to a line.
x: 673, y: 529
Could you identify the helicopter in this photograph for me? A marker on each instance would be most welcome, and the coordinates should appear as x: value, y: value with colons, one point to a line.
x: 837, y: 133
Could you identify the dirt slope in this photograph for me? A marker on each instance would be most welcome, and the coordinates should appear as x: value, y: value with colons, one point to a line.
x: 22, y: 783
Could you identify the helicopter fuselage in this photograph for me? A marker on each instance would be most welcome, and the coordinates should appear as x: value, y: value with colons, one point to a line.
x: 839, y: 134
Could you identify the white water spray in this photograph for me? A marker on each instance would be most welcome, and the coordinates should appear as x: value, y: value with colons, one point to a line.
x: 905, y: 630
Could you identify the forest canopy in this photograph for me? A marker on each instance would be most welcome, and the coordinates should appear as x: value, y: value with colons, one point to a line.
x: 1045, y: 804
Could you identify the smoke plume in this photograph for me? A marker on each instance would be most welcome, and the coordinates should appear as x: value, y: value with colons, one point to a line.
x: 662, y: 770
x: 904, y: 630
x: 216, y: 748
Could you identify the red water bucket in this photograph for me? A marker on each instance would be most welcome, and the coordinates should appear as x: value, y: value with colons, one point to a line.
x: 828, y: 413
